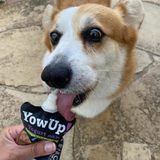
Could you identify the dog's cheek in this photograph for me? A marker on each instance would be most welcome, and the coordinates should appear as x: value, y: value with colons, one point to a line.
x: 130, y: 38
x: 101, y: 47
x: 101, y: 52
x: 105, y: 54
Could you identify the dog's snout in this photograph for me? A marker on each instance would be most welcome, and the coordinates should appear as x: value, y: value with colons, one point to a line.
x: 57, y: 76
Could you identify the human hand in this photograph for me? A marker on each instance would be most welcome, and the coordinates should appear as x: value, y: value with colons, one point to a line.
x: 9, y: 150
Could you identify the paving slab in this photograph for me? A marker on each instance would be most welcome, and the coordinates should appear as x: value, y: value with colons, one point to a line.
x: 149, y: 38
x: 22, y: 49
x: 105, y: 151
x: 21, y: 56
x: 22, y: 14
x: 140, y: 106
x: 156, y: 58
x: 67, y: 151
x: 133, y: 151
x: 12, y: 1
x: 11, y: 101
x: 99, y: 137
x: 143, y: 60
x: 157, y: 2
x: 156, y: 155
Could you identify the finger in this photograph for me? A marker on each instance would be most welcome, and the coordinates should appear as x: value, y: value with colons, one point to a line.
x: 37, y: 149
x: 14, y: 131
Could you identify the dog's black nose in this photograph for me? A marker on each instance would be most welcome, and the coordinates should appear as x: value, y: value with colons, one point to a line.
x: 57, y: 76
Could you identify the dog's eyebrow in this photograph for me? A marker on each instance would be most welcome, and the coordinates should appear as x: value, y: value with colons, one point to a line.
x: 56, y: 26
x: 89, y: 21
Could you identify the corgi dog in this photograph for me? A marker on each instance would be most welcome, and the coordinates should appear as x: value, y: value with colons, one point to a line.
x: 90, y: 56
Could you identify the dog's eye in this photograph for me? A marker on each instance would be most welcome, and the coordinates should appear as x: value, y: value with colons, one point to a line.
x: 55, y: 37
x: 93, y: 35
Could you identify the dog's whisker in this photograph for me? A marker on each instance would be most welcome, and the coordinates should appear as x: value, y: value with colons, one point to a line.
x: 79, y: 98
x: 84, y: 91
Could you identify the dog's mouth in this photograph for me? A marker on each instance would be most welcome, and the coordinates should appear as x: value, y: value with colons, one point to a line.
x: 66, y: 101
x: 79, y: 99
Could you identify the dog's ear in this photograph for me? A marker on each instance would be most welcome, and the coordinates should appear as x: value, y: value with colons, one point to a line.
x: 48, y: 16
x: 132, y: 11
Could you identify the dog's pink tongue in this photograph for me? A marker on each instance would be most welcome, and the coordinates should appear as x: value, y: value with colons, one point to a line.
x: 64, y: 104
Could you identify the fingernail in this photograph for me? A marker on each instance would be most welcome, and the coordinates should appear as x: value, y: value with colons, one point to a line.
x: 49, y: 147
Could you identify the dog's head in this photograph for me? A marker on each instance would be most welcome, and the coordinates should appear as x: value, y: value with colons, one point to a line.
x: 90, y: 57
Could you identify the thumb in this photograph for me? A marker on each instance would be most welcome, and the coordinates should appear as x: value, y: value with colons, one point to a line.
x: 37, y: 149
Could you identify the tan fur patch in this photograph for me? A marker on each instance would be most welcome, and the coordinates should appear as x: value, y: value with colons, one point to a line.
x: 46, y: 41
x: 46, y: 38
x: 130, y: 39
x: 63, y: 4
x: 127, y: 76
x: 121, y: 9
x: 54, y: 14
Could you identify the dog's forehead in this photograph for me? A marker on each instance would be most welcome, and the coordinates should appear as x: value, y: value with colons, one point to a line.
x: 93, y: 14
x: 73, y: 21
x: 82, y: 16
x: 64, y: 19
